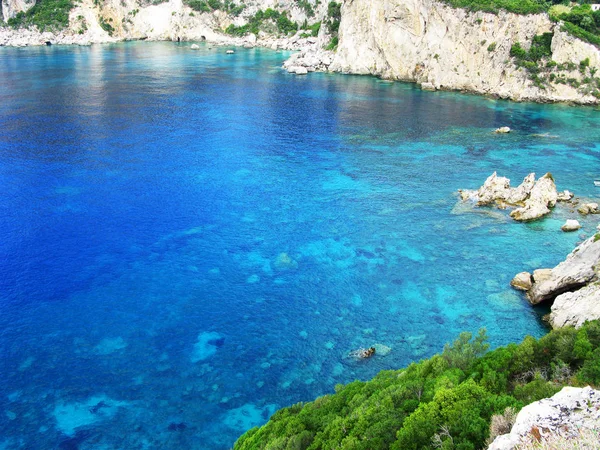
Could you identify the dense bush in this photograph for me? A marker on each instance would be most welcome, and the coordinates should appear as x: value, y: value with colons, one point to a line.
x: 47, y: 15
x: 284, y: 24
x: 446, y: 401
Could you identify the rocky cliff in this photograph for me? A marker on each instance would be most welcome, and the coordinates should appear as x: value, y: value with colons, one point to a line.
x: 422, y: 41
x: 10, y: 8
x: 117, y: 20
x: 428, y: 42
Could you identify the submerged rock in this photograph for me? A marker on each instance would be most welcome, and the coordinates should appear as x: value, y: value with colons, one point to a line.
x: 588, y: 208
x: 575, y: 308
x: 564, y: 414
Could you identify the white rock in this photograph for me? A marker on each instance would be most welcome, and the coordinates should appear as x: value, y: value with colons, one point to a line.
x: 575, y: 308
x: 564, y: 414
x: 565, y: 196
x: 543, y: 196
x: 195, y: 47
x: 502, y: 130
x: 10, y: 8
x: 571, y: 225
x: 230, y: 52
x: 574, y: 272
x: 427, y: 86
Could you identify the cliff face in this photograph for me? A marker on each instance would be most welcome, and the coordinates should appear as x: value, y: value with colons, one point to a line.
x: 10, y: 8
x: 134, y: 19
x: 425, y: 41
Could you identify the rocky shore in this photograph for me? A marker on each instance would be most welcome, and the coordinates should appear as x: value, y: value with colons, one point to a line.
x: 421, y: 41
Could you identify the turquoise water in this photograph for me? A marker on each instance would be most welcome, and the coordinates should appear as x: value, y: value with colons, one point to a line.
x: 190, y: 240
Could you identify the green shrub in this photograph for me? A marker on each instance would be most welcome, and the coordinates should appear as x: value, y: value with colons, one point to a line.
x: 446, y: 401
x: 46, y: 15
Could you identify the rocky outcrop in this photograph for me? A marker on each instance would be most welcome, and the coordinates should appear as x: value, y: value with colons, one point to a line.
x: 542, y: 197
x: 580, y: 268
x: 426, y: 41
x: 533, y: 198
x: 10, y: 8
x: 522, y: 281
x: 575, y: 308
x: 565, y: 414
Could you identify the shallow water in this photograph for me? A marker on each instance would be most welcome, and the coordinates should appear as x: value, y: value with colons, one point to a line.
x: 190, y: 240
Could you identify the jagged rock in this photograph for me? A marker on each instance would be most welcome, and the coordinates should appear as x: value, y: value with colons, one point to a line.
x: 564, y: 196
x: 534, y: 197
x: 542, y: 197
x: 521, y: 192
x: 588, y: 208
x: 298, y: 70
x: 427, y: 86
x: 522, y: 281
x: 575, y: 308
x: 571, y: 225
x: 577, y: 270
x: 563, y: 414
x: 502, y: 130
x: 195, y: 47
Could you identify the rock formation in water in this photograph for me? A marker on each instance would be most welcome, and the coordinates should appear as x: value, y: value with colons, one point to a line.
x: 567, y: 414
x: 574, y: 285
x: 532, y: 198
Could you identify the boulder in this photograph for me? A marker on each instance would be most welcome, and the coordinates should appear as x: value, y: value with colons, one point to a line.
x: 427, y: 86
x: 543, y: 196
x: 564, y: 196
x: 298, y: 70
x: 195, y: 47
x: 230, y: 52
x: 571, y: 225
x: 540, y: 275
x: 588, y: 208
x: 521, y: 192
x: 522, y: 281
x: 502, y: 130
x: 577, y: 270
x: 575, y: 308
x: 565, y: 414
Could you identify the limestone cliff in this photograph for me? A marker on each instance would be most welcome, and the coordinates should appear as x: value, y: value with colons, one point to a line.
x: 116, y: 20
x: 10, y: 8
x: 428, y: 42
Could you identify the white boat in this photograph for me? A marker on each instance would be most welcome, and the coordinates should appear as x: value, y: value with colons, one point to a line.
x: 597, y: 183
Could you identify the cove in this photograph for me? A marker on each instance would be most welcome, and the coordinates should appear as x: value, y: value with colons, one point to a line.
x: 191, y: 240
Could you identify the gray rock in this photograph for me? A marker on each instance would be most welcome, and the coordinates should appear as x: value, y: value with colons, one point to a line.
x: 588, y: 208
x: 575, y: 308
x: 573, y: 273
x: 564, y: 196
x: 428, y: 86
x: 564, y: 414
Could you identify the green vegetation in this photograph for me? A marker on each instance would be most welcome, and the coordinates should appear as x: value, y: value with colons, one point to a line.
x: 447, y: 401
x: 214, y: 5
x: 284, y: 25
x: 106, y: 26
x: 334, y: 18
x: 494, y: 6
x: 47, y: 15
x: 307, y: 7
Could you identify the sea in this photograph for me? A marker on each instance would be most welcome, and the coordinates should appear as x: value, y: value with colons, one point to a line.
x: 191, y: 240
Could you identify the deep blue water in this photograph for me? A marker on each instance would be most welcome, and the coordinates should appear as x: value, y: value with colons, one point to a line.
x: 190, y: 240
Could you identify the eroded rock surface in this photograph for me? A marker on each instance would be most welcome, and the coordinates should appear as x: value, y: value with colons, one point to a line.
x: 567, y: 412
x: 575, y: 308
